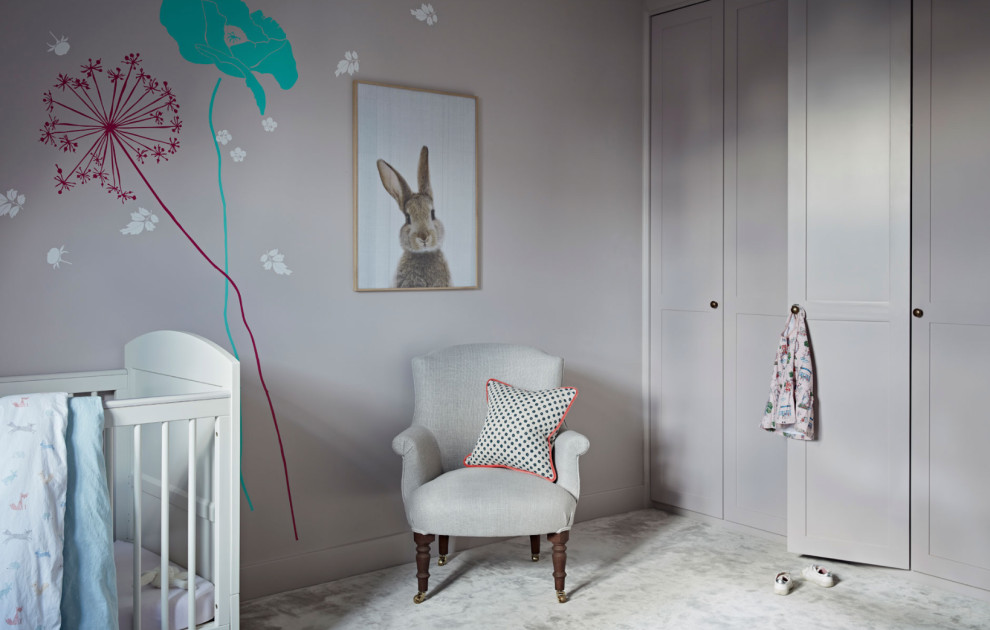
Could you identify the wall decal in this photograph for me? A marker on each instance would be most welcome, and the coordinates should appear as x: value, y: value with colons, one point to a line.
x: 60, y: 46
x: 416, y: 190
x: 239, y: 43
x: 274, y: 260
x: 425, y: 14
x: 142, y: 220
x: 348, y: 64
x: 269, y: 124
x: 116, y: 122
x: 122, y: 128
x: 11, y: 203
x: 56, y: 256
x: 223, y: 138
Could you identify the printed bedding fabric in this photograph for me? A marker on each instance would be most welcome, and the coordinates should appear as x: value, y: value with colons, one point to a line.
x: 32, y: 512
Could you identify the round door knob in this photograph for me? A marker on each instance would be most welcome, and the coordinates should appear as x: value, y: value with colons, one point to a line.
x: 713, y: 304
x: 918, y: 312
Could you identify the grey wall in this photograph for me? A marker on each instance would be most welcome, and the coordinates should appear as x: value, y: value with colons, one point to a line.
x: 560, y: 99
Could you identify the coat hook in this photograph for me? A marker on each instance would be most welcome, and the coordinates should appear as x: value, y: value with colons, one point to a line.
x: 795, y: 309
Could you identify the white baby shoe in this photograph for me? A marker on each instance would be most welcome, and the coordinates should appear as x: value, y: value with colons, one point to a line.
x: 782, y: 583
x: 819, y: 575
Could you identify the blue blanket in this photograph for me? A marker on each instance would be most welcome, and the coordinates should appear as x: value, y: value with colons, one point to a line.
x: 89, y: 580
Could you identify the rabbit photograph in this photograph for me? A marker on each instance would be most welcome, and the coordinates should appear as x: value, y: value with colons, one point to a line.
x: 422, y: 263
x: 415, y: 208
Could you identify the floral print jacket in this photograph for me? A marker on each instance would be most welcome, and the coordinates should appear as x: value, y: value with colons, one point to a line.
x: 790, y: 409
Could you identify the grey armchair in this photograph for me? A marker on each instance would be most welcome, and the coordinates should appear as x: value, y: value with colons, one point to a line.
x: 443, y: 497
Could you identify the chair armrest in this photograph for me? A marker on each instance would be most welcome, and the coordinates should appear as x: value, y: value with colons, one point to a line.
x: 420, y: 458
x: 568, y: 447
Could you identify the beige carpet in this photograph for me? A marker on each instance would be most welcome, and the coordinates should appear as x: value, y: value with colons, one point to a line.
x: 644, y: 569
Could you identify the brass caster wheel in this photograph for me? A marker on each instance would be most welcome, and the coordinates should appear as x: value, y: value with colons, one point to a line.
x: 535, y: 557
x: 561, y: 597
x: 442, y: 561
x: 419, y: 598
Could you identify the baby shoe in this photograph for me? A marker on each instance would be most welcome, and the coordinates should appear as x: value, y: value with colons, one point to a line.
x: 819, y: 575
x: 782, y: 583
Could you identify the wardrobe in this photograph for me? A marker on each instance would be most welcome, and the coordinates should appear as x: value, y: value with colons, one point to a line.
x: 718, y: 250
x: 950, y: 434
x: 880, y: 234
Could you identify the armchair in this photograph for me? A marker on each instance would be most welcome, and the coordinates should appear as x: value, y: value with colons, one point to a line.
x: 444, y: 498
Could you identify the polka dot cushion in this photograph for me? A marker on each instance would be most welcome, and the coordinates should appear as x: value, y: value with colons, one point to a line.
x: 520, y: 428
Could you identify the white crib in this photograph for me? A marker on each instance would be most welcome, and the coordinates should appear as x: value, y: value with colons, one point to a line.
x: 178, y: 394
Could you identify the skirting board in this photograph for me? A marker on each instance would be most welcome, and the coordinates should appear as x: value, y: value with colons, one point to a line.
x: 325, y: 565
x: 670, y: 509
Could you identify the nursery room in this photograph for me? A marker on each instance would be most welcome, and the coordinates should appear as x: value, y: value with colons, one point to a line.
x: 499, y: 314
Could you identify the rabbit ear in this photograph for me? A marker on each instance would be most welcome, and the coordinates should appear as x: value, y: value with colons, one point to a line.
x: 394, y: 184
x: 424, y: 173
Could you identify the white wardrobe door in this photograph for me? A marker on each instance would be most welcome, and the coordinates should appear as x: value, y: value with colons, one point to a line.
x: 951, y: 338
x: 755, y: 255
x: 686, y: 258
x: 849, y: 265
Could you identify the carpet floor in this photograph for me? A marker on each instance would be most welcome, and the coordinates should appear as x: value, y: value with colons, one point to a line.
x: 639, y: 570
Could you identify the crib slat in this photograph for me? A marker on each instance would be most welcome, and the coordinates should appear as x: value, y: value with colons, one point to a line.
x: 108, y: 459
x: 191, y: 552
x: 136, y: 471
x: 165, y: 521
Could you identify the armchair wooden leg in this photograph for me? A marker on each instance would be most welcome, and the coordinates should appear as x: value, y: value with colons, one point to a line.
x: 559, y: 542
x: 443, y: 543
x: 534, y: 547
x: 422, y: 564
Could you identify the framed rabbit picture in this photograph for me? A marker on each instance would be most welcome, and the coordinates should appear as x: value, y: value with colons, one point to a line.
x: 415, y: 189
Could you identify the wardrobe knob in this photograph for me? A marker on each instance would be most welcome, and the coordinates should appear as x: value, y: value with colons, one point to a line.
x: 713, y: 304
x: 918, y: 312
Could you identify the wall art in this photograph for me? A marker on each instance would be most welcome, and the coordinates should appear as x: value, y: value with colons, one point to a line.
x: 241, y: 44
x: 415, y: 189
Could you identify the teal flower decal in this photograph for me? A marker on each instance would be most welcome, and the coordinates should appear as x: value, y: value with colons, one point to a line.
x: 239, y: 43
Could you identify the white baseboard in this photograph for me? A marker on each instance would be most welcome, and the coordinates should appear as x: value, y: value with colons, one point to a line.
x: 325, y: 565
x: 670, y: 509
x: 609, y: 502
x: 334, y: 563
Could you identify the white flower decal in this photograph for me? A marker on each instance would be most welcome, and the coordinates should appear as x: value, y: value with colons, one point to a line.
x: 140, y: 221
x: 238, y: 154
x: 425, y: 14
x: 269, y: 124
x: 274, y: 260
x: 60, y: 46
x: 348, y: 64
x: 223, y: 137
x: 55, y: 256
x: 11, y: 203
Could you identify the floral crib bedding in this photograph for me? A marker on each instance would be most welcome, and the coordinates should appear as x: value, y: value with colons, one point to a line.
x: 56, y: 561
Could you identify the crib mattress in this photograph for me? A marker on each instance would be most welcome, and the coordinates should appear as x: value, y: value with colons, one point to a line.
x: 151, y: 597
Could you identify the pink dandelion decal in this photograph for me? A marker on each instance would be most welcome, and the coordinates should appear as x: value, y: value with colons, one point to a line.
x: 132, y: 119
x: 115, y: 123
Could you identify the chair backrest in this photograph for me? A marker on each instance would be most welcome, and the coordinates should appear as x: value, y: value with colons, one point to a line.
x: 450, y: 389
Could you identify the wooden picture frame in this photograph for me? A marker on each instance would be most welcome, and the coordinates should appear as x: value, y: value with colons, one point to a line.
x: 415, y: 189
